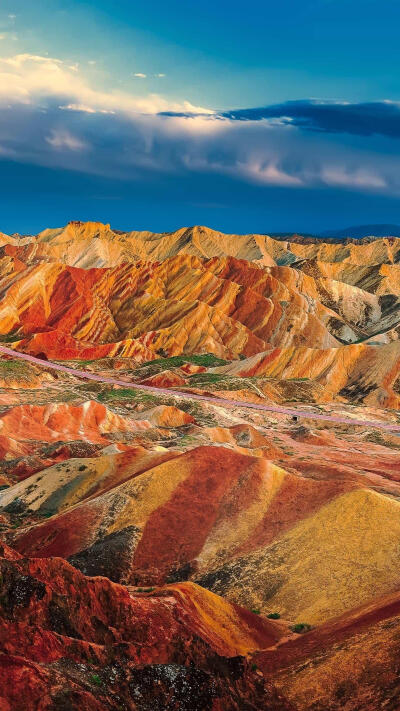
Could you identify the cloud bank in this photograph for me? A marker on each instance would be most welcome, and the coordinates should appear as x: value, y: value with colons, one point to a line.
x: 52, y: 115
x: 364, y: 119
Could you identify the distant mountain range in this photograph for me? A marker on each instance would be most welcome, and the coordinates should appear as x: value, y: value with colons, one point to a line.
x: 355, y: 232
x: 360, y: 231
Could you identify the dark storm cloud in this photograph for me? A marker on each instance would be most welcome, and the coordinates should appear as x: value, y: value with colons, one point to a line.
x: 363, y: 119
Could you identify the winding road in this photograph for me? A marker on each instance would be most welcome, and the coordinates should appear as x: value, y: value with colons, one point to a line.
x: 204, y: 398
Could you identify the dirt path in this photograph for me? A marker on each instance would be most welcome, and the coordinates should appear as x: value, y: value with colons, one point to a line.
x: 213, y: 400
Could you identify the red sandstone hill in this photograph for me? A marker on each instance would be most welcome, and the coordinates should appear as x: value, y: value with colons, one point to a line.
x: 224, y: 306
x: 153, y: 536
x: 347, y: 664
x: 86, y: 644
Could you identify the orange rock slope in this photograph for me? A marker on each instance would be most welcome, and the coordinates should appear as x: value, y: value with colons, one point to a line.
x: 199, y: 291
x: 162, y: 552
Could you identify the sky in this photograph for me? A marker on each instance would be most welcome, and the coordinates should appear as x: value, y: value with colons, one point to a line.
x: 247, y: 117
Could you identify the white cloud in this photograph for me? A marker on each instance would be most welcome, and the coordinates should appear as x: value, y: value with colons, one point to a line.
x: 360, y: 178
x: 269, y: 174
x: 160, y: 75
x: 85, y: 109
x: 19, y: 60
x: 29, y: 79
x: 60, y: 139
x: 139, y: 75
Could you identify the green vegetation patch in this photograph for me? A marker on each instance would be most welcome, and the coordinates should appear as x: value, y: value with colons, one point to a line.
x: 142, y: 396
x: 9, y: 337
x: 95, y: 679
x: 207, y: 360
x: 220, y: 381
x: 113, y: 395
x: 301, y: 627
x: 84, y: 363
x: 294, y: 380
x: 15, y: 369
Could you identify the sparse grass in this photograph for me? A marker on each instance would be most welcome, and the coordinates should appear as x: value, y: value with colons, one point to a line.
x: 220, y: 381
x: 208, y: 360
x: 14, y: 368
x: 9, y: 337
x: 206, y: 378
x: 84, y: 363
x: 142, y: 396
x: 294, y: 380
x: 187, y: 440
x: 195, y: 409
x: 112, y: 395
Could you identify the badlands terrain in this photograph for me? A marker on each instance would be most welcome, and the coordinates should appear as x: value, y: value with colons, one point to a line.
x: 161, y: 551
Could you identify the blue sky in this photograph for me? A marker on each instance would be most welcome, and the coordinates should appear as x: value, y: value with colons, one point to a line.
x: 256, y: 116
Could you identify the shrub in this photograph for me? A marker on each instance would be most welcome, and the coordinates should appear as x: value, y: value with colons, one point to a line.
x: 256, y: 611
x: 274, y: 616
x: 95, y: 679
x: 301, y: 627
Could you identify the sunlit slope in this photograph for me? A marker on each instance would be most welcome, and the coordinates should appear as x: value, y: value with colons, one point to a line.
x: 237, y: 524
x: 359, y: 372
x: 344, y: 554
x: 90, y: 244
x: 185, y: 304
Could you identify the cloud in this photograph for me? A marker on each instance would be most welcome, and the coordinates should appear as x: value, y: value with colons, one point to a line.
x: 160, y: 76
x: 85, y: 109
x: 270, y: 174
x: 53, y: 116
x: 139, y: 75
x: 29, y: 79
x: 361, y: 178
x: 359, y: 119
x: 61, y: 139
x: 362, y: 119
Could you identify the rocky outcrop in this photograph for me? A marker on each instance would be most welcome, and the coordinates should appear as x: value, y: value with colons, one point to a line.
x: 73, y: 642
